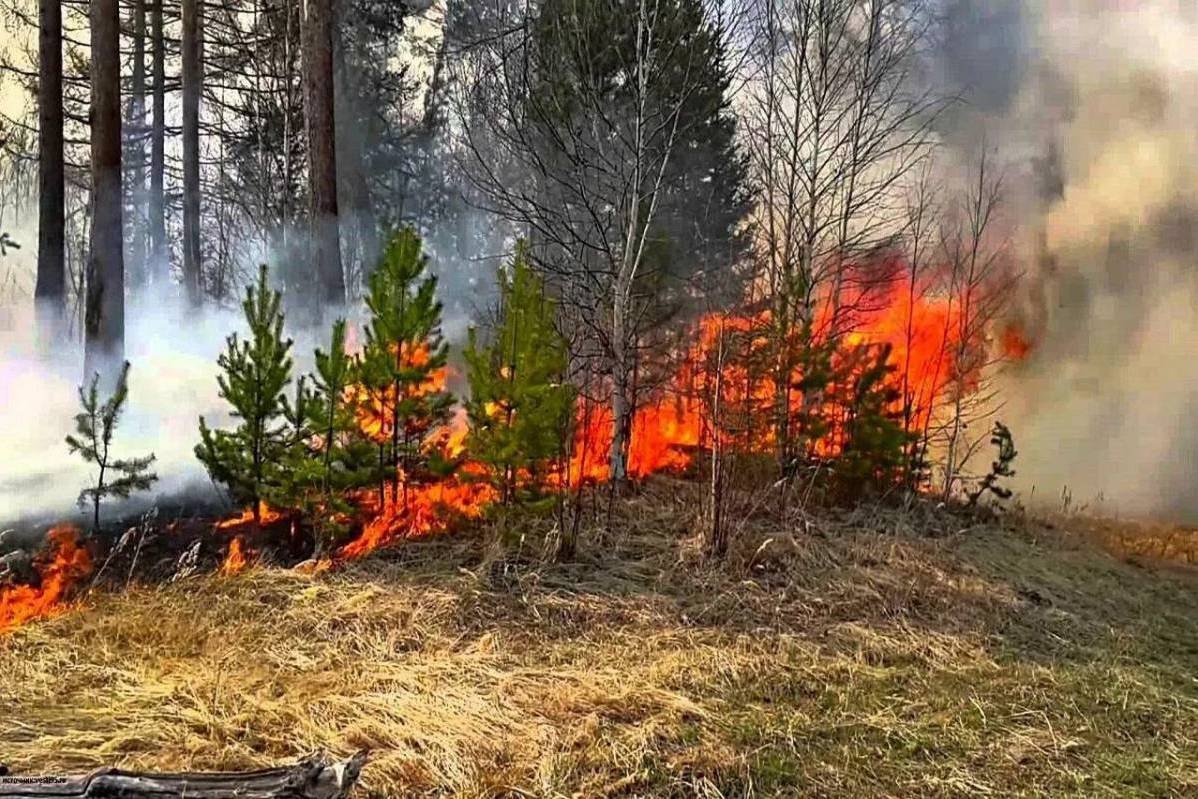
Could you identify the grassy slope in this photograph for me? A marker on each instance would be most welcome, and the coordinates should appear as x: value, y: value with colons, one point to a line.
x: 842, y: 662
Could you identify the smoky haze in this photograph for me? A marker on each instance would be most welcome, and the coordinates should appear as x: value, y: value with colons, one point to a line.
x: 1094, y: 107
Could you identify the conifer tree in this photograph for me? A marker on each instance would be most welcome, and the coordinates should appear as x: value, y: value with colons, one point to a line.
x: 519, y: 406
x: 327, y: 456
x: 403, y: 356
x: 94, y: 430
x: 256, y: 371
x: 872, y: 441
x: 1000, y: 467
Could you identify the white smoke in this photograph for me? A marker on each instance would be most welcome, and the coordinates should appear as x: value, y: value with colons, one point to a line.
x: 172, y: 381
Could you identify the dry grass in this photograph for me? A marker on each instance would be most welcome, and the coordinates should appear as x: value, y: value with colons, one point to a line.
x: 836, y: 661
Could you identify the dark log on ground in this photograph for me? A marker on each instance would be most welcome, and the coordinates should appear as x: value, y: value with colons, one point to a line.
x: 311, y: 778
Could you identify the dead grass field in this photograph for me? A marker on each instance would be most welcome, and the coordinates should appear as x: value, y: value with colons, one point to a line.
x: 843, y: 660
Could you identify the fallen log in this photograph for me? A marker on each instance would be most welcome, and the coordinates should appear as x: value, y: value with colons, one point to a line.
x: 311, y: 778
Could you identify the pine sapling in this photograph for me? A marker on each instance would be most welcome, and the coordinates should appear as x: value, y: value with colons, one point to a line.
x: 327, y: 456
x: 403, y: 357
x: 520, y: 405
x: 1000, y: 468
x: 95, y: 427
x: 256, y: 372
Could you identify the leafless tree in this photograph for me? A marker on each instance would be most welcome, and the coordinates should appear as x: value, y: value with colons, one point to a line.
x: 980, y: 277
x: 135, y: 149
x: 159, y: 254
x: 584, y: 171
x: 834, y: 119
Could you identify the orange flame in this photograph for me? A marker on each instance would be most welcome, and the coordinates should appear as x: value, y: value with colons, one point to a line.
x: 915, y: 328
x: 235, y: 558
x: 60, y: 568
x: 1014, y: 343
x: 266, y: 514
x: 919, y: 330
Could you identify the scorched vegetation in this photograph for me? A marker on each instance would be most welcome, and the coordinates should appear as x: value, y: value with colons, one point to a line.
x: 846, y: 654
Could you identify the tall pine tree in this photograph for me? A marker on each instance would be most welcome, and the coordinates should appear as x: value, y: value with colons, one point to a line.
x: 519, y: 406
x: 402, y: 366
x: 256, y: 372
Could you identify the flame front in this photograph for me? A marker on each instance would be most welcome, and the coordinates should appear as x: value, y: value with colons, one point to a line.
x: 922, y: 334
x: 919, y: 332
x: 62, y: 566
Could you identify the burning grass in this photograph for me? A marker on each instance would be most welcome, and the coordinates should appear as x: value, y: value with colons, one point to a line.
x: 852, y: 659
x: 60, y: 566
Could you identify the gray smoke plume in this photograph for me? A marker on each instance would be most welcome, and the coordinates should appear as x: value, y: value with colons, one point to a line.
x: 1094, y: 105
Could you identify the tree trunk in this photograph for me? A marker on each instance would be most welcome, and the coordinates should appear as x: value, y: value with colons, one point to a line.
x: 51, y: 287
x: 354, y: 197
x: 136, y: 149
x: 159, y: 260
x: 193, y: 76
x: 311, y: 778
x: 322, y: 159
x: 621, y: 406
x: 104, y: 318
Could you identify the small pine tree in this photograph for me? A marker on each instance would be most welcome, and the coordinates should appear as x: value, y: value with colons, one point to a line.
x: 1004, y: 442
x: 327, y: 456
x: 403, y: 355
x: 873, y: 443
x: 255, y: 374
x: 94, y: 429
x: 519, y: 405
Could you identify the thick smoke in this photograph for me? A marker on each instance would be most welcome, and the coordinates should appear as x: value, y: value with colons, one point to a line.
x: 1094, y: 105
x: 172, y: 382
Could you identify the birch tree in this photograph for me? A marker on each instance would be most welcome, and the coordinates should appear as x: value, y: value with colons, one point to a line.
x: 979, y: 282
x: 601, y: 129
x: 834, y: 119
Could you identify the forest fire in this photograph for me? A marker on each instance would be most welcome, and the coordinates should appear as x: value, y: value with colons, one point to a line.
x: 59, y: 569
x: 918, y: 332
x: 915, y: 333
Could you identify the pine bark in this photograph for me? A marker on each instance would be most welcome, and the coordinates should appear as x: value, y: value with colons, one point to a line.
x: 104, y: 315
x: 50, y: 291
x: 193, y: 76
x: 322, y: 159
x: 159, y: 259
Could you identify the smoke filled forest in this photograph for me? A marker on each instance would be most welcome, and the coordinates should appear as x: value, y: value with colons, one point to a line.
x: 721, y: 398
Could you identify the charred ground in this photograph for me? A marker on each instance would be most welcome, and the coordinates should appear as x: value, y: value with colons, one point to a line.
x: 877, y: 652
